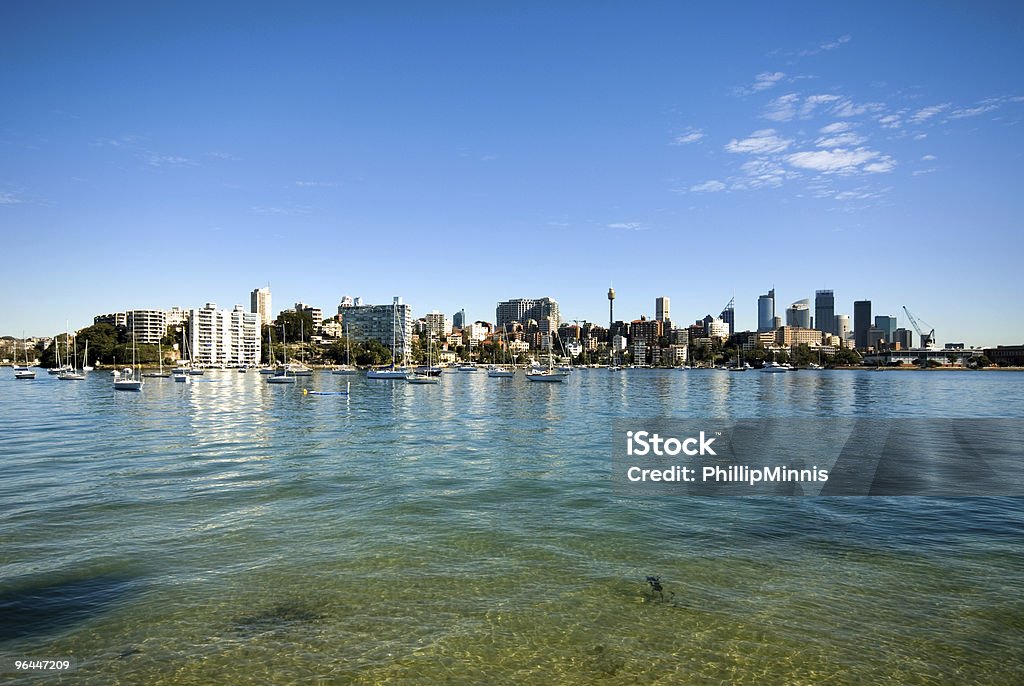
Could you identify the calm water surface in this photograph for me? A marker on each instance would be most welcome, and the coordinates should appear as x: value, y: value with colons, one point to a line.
x: 235, y: 532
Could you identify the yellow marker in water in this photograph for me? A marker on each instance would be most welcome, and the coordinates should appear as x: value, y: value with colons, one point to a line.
x: 305, y: 391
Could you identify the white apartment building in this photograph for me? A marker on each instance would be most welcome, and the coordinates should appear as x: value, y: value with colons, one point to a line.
x: 222, y: 337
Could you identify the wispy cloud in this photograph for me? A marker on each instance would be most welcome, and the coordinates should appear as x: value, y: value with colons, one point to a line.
x: 926, y: 113
x: 317, y: 184
x: 840, y: 140
x: 929, y: 158
x: 281, y: 210
x: 155, y: 160
x: 128, y: 139
x: 763, y: 142
x: 782, y: 108
x: 766, y: 80
x: 848, y: 108
x: 837, y: 127
x: 761, y: 173
x: 9, y: 198
x: 712, y: 186
x: 973, y: 111
x: 626, y: 226
x: 890, y: 121
x: 812, y: 102
x: 842, y: 161
x: 690, y: 135
x: 219, y: 155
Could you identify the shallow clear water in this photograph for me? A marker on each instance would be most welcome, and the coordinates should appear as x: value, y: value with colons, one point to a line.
x: 236, y: 532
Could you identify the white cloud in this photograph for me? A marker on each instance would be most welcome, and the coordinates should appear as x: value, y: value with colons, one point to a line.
x: 929, y: 158
x: 811, y: 102
x: 763, y: 142
x: 838, y: 127
x: 9, y: 199
x: 782, y: 108
x: 890, y: 121
x: 921, y: 172
x: 155, y: 160
x: 708, y: 187
x: 839, y: 140
x: 848, y: 108
x: 689, y: 136
x: 766, y: 80
x: 927, y: 113
x: 627, y: 226
x: 973, y: 111
x: 316, y: 184
x: 836, y: 43
x: 762, y: 172
x: 278, y: 210
x: 920, y: 136
x: 842, y: 161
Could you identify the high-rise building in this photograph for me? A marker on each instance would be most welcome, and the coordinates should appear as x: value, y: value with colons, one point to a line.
x: 861, y: 323
x: 259, y: 302
x: 799, y: 314
x: 647, y: 331
x: 314, y: 312
x: 382, y: 323
x: 437, y: 325
x: 459, y: 319
x: 149, y: 326
x: 842, y: 326
x: 729, y: 317
x: 766, y: 311
x: 344, y: 303
x: 887, y: 323
x: 221, y: 337
x: 661, y: 309
x: 825, y: 311
x: 524, y: 309
x: 904, y: 337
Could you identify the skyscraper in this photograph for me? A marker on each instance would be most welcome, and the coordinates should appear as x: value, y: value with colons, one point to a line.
x: 766, y: 311
x: 259, y: 302
x: 611, y: 310
x: 729, y: 317
x: 861, y: 323
x: 661, y: 309
x: 523, y: 309
x: 887, y: 323
x: 825, y: 311
x: 459, y: 319
x: 799, y: 314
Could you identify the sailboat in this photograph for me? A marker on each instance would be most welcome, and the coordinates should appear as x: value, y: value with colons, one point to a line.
x: 347, y: 368
x: 424, y: 378
x: 390, y: 372
x: 72, y: 374
x: 129, y: 379
x: 548, y: 375
x: 180, y: 373
x: 739, y: 366
x: 269, y: 368
x: 502, y: 371
x: 23, y: 372
x: 283, y: 376
x: 300, y: 369
x: 160, y: 361
x: 86, y: 367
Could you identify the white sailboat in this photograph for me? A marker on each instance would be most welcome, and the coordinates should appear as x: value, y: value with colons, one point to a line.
x: 72, y: 374
x: 347, y: 368
x: 425, y: 377
x: 391, y: 372
x: 24, y: 372
x: 160, y: 361
x: 284, y: 375
x: 502, y: 371
x: 548, y: 375
x: 129, y: 379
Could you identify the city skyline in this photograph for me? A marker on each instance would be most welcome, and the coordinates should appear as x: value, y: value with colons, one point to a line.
x: 321, y: 150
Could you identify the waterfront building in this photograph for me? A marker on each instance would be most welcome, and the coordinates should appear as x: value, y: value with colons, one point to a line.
x: 222, y: 337
x: 904, y: 338
x: 260, y: 303
x: 150, y: 326
x: 382, y: 323
x: 437, y: 324
x: 176, y: 317
x: 115, y: 319
x: 876, y: 338
x: 524, y: 309
x: 459, y: 319
x: 314, y: 312
x: 646, y: 331
x: 790, y: 336
x: 861, y: 323
x: 766, y: 311
x: 887, y: 323
x: 716, y: 328
x: 825, y: 311
x: 842, y: 327
x: 1006, y: 355
x: 799, y: 314
x: 345, y: 302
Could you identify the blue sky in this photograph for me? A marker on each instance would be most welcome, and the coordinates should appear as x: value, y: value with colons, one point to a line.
x: 469, y: 153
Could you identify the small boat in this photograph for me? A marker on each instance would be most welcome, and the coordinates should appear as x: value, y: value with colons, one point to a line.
x: 284, y: 375
x: 72, y: 374
x: 469, y: 367
x: 548, y: 375
x: 501, y: 373
x: 345, y: 370
x: 424, y: 377
x: 387, y: 373
x: 181, y: 376
x: 773, y: 367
